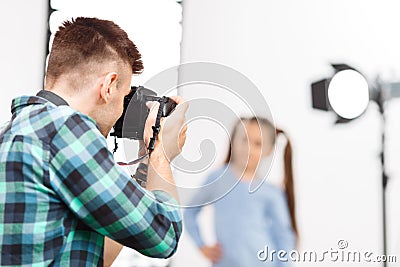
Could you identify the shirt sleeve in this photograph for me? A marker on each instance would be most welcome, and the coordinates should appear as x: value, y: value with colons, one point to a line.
x: 282, y: 230
x: 191, y: 226
x: 191, y: 213
x: 101, y: 194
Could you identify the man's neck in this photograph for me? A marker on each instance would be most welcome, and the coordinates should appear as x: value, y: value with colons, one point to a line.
x: 78, y: 103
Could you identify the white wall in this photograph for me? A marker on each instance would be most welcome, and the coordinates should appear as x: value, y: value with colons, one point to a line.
x: 22, y: 50
x: 282, y: 46
x: 154, y: 26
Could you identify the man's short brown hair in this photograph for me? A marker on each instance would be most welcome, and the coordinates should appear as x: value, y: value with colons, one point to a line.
x: 87, y: 40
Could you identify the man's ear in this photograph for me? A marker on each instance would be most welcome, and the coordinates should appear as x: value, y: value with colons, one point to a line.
x: 108, y: 86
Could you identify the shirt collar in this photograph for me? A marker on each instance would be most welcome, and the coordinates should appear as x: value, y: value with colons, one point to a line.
x: 21, y: 102
x: 42, y: 97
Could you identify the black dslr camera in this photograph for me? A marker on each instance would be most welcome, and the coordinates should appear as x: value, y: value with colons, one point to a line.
x: 131, y: 123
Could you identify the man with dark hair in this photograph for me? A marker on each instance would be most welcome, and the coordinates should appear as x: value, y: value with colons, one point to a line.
x: 61, y: 191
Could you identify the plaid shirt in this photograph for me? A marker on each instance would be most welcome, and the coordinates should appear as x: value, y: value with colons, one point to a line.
x: 61, y: 193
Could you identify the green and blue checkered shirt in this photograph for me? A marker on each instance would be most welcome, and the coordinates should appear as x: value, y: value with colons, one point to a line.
x: 61, y: 192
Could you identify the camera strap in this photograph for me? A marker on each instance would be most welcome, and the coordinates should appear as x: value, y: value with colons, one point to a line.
x: 52, y: 97
x: 156, y: 130
x: 136, y: 161
x: 157, y: 126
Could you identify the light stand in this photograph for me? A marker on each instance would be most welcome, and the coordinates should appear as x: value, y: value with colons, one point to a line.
x: 380, y: 93
x: 381, y: 105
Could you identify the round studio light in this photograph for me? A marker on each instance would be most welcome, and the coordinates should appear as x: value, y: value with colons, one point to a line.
x: 348, y: 94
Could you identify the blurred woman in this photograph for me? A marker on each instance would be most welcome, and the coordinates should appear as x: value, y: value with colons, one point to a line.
x: 245, y: 222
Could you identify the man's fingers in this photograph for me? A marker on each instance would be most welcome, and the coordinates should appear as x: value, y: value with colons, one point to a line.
x: 177, y: 98
x: 153, y: 107
x: 184, y: 129
x: 182, y: 104
x: 151, y: 118
x: 181, y: 108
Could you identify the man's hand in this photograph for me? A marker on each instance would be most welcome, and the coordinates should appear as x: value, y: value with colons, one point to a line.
x: 172, y: 135
x: 142, y: 148
x: 111, y: 251
x: 212, y: 253
x: 170, y: 141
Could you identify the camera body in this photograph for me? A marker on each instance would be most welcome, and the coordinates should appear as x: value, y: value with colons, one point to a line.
x: 131, y: 123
